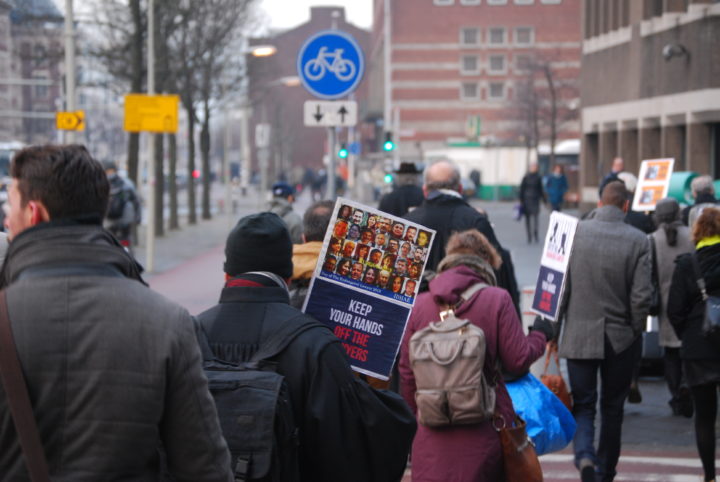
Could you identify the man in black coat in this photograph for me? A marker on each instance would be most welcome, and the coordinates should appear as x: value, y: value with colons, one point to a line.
x: 347, y: 430
x: 445, y: 211
x: 406, y: 195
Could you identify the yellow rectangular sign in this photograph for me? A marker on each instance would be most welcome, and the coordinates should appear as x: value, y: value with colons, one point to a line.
x: 151, y: 113
x: 70, y: 121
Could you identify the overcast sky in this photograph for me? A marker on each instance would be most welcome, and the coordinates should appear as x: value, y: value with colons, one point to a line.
x: 290, y: 13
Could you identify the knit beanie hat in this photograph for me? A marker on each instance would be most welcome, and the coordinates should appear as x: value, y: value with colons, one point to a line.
x: 259, y: 242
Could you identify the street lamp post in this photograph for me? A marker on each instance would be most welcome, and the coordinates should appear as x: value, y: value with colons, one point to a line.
x: 69, y: 32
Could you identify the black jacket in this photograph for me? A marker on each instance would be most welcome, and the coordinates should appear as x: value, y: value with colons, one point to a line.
x: 685, y: 307
x: 401, y: 199
x: 348, y: 431
x: 113, y: 369
x: 531, y: 192
x: 447, y: 214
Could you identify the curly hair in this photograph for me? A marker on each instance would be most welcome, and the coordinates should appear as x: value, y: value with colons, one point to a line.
x: 707, y: 225
x: 473, y: 242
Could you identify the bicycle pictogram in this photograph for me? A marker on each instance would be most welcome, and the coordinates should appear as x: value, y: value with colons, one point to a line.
x: 333, y: 62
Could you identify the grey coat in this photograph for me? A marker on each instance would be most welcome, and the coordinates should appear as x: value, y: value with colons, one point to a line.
x: 292, y: 220
x: 665, y: 263
x: 113, y: 369
x: 608, y: 286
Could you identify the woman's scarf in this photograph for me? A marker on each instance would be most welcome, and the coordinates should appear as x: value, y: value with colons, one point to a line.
x: 475, y: 263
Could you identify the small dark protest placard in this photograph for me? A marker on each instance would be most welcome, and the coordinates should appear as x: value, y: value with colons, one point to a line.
x: 366, y: 280
x: 553, y: 265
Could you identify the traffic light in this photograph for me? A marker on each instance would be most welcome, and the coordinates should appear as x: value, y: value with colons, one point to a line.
x: 388, y: 178
x: 389, y: 145
x: 343, y: 152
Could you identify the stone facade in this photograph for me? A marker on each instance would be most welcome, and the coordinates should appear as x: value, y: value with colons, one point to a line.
x: 650, y: 85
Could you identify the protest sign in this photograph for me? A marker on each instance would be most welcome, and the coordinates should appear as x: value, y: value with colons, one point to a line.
x: 653, y: 183
x: 553, y: 265
x: 366, y: 280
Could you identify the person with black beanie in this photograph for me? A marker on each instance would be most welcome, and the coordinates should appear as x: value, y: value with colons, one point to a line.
x: 341, y: 422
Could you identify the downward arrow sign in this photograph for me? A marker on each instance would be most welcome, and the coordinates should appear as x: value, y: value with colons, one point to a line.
x: 343, y: 111
x: 318, y: 115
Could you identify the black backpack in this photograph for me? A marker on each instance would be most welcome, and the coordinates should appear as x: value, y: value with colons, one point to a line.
x: 254, y: 409
x: 118, y: 199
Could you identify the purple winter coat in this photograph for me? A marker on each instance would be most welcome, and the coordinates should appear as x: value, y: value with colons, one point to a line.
x: 469, y: 453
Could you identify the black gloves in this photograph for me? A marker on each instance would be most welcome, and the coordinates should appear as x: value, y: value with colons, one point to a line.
x: 545, y: 327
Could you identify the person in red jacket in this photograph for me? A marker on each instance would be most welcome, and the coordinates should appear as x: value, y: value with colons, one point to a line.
x: 469, y: 452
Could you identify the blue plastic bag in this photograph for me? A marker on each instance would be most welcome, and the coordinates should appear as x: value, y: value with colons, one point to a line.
x: 550, y: 424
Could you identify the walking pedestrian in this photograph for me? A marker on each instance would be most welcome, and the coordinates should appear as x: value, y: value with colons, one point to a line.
x: 113, y: 369
x: 123, y: 214
x: 281, y: 204
x: 605, y: 309
x: 686, y: 310
x: 469, y: 452
x: 556, y: 185
x: 531, y: 193
x: 305, y: 256
x: 406, y: 194
x: 671, y: 240
x: 445, y: 211
x: 703, y: 192
x: 346, y: 430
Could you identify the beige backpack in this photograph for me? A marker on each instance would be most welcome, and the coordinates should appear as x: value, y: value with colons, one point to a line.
x: 447, y: 359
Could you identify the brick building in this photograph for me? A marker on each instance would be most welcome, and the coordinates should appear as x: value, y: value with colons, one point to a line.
x: 650, y: 85
x: 277, y: 98
x: 454, y: 62
x: 37, y: 54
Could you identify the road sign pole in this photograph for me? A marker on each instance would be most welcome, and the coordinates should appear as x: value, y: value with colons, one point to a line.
x: 331, y: 188
x: 150, y: 238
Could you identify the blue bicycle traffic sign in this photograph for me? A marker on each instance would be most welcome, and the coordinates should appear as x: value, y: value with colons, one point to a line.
x: 330, y: 64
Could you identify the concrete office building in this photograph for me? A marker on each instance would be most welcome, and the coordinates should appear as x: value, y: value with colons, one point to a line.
x: 650, y: 86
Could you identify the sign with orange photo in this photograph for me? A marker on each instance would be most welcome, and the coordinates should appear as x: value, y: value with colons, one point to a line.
x: 653, y: 183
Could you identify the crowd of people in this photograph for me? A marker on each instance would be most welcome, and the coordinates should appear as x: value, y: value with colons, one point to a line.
x: 115, y: 372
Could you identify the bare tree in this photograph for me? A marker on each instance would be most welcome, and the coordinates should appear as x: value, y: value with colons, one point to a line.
x: 543, y: 103
x: 219, y: 66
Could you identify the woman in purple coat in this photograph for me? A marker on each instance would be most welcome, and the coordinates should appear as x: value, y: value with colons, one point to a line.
x: 469, y: 453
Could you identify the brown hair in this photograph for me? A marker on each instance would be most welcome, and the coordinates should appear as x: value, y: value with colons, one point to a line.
x: 614, y: 194
x: 66, y: 179
x: 707, y: 225
x: 473, y: 242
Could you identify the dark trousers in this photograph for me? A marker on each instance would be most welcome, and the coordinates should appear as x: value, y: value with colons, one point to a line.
x: 531, y: 226
x: 616, y: 371
x: 705, y: 400
x: 673, y: 374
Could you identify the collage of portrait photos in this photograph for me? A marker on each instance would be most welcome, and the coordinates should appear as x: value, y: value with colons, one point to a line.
x: 376, y: 252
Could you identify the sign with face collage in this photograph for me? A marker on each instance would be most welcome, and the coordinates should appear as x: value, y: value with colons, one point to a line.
x: 366, y: 280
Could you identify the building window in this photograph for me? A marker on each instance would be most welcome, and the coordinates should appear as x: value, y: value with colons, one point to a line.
x: 41, y: 91
x: 469, y: 64
x: 524, y: 2
x: 469, y: 91
x: 496, y: 36
x: 550, y: 2
x: 496, y: 64
x: 496, y: 91
x: 469, y: 2
x: 497, y: 2
x: 469, y: 36
x: 524, y: 35
x: 522, y: 62
x: 443, y: 2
